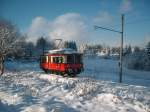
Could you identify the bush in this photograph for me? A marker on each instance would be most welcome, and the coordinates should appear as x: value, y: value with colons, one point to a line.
x: 137, y: 61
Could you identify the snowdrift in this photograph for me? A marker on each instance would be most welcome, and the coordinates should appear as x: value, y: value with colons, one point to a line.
x: 37, y: 92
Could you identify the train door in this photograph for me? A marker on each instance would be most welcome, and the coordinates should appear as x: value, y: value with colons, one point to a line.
x: 49, y: 62
x: 57, y: 62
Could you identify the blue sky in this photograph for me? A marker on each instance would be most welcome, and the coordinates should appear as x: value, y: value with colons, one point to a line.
x: 74, y: 19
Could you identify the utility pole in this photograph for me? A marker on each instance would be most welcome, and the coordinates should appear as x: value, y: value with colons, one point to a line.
x: 121, y: 44
x: 121, y: 48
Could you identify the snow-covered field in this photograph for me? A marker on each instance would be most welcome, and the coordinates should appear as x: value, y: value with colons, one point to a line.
x: 25, y: 88
x: 107, y: 69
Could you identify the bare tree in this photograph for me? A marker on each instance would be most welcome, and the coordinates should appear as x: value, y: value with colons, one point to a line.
x: 8, y: 41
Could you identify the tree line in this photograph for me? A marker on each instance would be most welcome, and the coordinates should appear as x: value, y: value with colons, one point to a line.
x: 14, y: 44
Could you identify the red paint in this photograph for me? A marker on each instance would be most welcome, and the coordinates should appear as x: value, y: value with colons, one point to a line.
x: 75, y: 67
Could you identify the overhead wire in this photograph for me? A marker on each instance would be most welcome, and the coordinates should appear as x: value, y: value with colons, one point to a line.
x: 133, y: 22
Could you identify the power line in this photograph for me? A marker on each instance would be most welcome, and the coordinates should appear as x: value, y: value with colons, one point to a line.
x: 104, y: 28
x: 132, y: 22
x: 121, y: 45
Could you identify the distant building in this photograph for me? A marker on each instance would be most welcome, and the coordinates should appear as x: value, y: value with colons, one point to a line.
x: 147, y: 49
x: 104, y: 53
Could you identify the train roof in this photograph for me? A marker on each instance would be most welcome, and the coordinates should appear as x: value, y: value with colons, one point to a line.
x: 62, y: 51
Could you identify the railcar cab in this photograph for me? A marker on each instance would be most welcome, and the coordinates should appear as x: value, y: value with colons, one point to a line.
x: 62, y: 61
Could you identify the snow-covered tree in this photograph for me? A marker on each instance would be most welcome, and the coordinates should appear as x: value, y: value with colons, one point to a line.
x: 29, y: 49
x: 8, y: 41
x: 41, y: 45
x: 139, y: 59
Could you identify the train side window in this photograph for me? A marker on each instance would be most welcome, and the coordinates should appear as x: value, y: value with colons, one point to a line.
x: 57, y: 59
x: 60, y: 60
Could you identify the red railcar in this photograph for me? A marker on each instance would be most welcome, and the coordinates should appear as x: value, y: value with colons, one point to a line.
x: 62, y: 61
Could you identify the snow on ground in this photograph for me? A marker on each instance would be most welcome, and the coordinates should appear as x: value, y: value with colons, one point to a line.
x: 25, y: 88
x: 107, y: 69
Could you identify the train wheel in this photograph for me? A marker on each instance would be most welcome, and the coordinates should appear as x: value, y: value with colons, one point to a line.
x: 56, y: 73
x: 49, y: 71
x: 65, y: 75
x: 45, y: 70
x: 52, y: 72
x: 59, y: 73
x: 73, y: 75
x: 70, y: 74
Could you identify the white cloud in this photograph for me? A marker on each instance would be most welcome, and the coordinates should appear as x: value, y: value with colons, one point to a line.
x: 125, y: 6
x: 39, y: 27
x: 70, y: 26
x: 103, y: 18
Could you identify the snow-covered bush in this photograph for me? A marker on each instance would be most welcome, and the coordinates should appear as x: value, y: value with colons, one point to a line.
x: 138, y: 61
